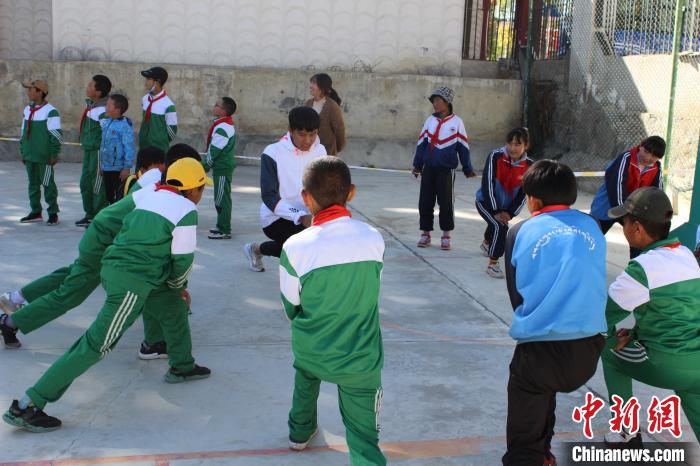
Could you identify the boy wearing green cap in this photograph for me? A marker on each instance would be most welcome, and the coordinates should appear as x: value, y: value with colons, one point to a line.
x: 661, y: 289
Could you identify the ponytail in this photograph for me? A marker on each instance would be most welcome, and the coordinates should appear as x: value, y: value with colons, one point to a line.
x: 334, y: 95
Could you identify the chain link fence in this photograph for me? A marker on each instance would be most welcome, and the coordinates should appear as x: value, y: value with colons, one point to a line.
x: 621, y: 83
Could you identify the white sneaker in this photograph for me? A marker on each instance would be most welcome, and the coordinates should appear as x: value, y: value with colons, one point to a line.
x: 7, y: 305
x: 299, y: 446
x: 255, y: 262
x: 494, y: 270
x: 484, y: 249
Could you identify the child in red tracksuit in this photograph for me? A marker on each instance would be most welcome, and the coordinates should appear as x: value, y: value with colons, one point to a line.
x: 501, y: 196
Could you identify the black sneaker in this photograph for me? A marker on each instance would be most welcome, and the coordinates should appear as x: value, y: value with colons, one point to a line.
x: 32, y: 218
x: 220, y: 235
x: 175, y: 376
x: 32, y: 418
x: 53, y: 220
x: 214, y: 231
x: 9, y: 334
x: 155, y: 351
x: 83, y: 222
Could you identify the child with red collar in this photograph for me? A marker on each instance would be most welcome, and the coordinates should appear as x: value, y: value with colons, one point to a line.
x: 501, y: 197
x: 442, y: 145
x: 635, y: 168
x: 159, y: 124
x: 221, y: 141
x: 329, y: 278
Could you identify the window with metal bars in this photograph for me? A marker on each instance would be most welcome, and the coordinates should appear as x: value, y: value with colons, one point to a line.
x: 489, y: 29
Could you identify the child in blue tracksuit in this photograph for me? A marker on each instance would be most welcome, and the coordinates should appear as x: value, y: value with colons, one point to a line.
x: 555, y: 272
x: 501, y: 197
x: 442, y: 145
x: 117, y: 150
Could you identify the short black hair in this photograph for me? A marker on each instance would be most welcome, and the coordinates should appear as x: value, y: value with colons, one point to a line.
x: 229, y: 105
x: 102, y: 84
x: 658, y: 231
x: 121, y: 102
x: 43, y: 94
x: 521, y: 135
x: 551, y: 182
x: 149, y: 156
x: 304, y: 119
x: 327, y: 179
x: 177, y: 152
x: 656, y: 145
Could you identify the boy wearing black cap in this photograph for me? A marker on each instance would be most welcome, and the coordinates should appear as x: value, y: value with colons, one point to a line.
x: 661, y: 288
x: 40, y: 143
x: 442, y: 145
x: 159, y: 124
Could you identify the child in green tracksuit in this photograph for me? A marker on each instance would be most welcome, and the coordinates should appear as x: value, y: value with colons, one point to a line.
x: 90, y: 133
x: 159, y: 123
x: 155, y: 245
x: 221, y: 141
x: 329, y: 278
x: 40, y: 143
x: 661, y: 288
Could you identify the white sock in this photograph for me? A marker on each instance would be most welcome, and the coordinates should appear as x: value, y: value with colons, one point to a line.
x: 24, y: 402
x: 17, y: 298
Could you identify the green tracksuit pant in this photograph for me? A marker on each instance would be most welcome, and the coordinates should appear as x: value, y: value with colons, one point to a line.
x: 359, y: 408
x: 92, y: 189
x: 222, y: 199
x: 664, y: 370
x: 57, y: 293
x: 49, y: 297
x: 122, y: 307
x: 39, y: 175
x: 165, y: 318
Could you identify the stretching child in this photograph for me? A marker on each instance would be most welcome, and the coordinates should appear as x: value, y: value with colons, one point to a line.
x: 501, y: 197
x: 156, y: 245
x: 559, y: 311
x: 661, y: 287
x: 282, y: 212
x: 117, y: 149
x: 442, y: 144
x: 329, y: 277
x: 635, y: 168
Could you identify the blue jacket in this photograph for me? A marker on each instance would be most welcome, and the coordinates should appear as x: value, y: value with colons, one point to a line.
x: 501, y: 183
x: 117, y: 150
x: 623, y: 176
x: 555, y: 272
x: 443, y: 143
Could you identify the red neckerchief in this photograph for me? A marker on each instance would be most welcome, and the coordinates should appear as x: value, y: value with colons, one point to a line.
x: 147, y: 116
x: 436, y: 135
x: 512, y: 179
x: 637, y: 175
x: 672, y: 245
x: 550, y: 208
x: 330, y: 213
x: 32, y: 111
x: 82, y: 120
x: 226, y: 119
x: 165, y: 187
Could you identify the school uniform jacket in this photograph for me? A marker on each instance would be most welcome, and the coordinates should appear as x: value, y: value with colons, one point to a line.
x: 501, y: 183
x: 41, y: 135
x: 443, y: 143
x: 329, y: 279
x: 221, y: 143
x: 281, y: 169
x: 623, y: 176
x: 90, y: 130
x: 159, y: 127
x: 661, y: 287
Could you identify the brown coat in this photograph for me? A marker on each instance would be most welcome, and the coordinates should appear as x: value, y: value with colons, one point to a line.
x: 332, y: 129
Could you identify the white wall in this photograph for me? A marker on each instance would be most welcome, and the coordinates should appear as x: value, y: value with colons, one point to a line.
x: 25, y: 29
x: 408, y: 36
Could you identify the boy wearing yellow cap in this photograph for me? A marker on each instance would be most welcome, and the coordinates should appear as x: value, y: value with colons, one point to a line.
x: 155, y: 245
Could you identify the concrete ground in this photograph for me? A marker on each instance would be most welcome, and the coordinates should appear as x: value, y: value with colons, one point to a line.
x: 444, y: 322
